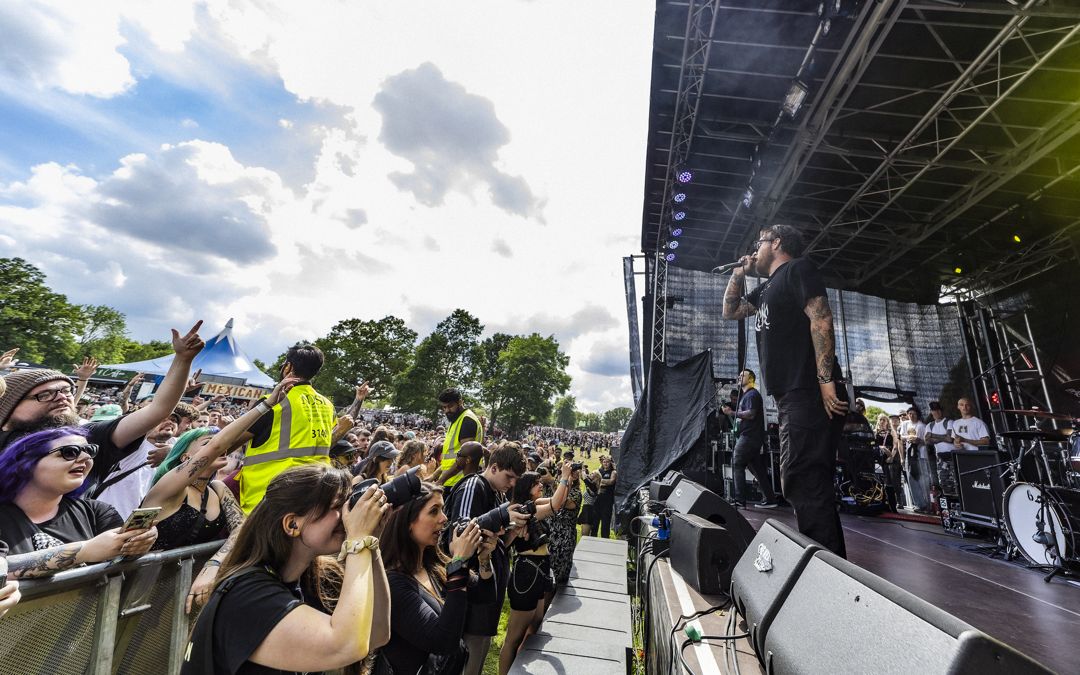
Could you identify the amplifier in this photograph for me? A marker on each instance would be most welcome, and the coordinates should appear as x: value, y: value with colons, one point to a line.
x: 980, y: 485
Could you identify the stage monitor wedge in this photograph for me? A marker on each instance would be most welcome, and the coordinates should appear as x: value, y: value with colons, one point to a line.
x: 704, y: 553
x: 765, y: 573
x: 693, y: 499
x: 839, y: 618
x: 660, y: 490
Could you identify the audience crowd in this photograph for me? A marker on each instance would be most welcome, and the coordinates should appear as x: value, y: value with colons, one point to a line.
x: 383, y: 542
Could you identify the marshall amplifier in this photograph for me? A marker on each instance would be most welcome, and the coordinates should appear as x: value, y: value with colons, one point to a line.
x: 980, y: 485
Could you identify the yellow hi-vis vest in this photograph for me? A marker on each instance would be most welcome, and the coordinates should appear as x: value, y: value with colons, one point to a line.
x: 452, y: 443
x: 303, y: 424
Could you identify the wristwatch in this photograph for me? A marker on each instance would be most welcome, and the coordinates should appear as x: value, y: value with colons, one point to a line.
x: 356, y: 545
x: 455, y: 566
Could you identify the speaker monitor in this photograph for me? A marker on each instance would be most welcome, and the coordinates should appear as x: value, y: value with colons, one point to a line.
x: 659, y: 490
x: 765, y: 573
x: 692, y: 499
x: 978, y: 492
x: 837, y: 617
x: 704, y: 553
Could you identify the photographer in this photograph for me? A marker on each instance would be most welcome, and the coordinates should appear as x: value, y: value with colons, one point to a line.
x: 475, y: 496
x: 277, y: 590
x: 381, y: 456
x: 429, y: 591
x: 563, y: 528
x: 605, y: 499
x: 530, y: 577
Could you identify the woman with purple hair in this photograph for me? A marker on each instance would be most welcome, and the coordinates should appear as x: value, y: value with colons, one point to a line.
x: 41, y: 477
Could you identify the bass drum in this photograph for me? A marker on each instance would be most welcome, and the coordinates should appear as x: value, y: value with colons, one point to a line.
x: 1044, y: 523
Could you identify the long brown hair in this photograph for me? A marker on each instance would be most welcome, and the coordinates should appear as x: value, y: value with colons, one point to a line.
x: 400, y: 552
x: 310, y: 490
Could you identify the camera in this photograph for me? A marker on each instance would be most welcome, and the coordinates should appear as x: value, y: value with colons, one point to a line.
x: 534, y: 536
x: 576, y: 466
x: 398, y: 490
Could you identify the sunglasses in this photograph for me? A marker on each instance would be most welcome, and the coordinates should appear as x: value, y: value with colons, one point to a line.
x: 72, y: 452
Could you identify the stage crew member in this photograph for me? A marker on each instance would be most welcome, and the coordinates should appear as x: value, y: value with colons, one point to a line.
x: 796, y: 344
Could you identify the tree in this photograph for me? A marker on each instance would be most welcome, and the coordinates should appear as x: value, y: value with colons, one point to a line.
x: 616, y: 419
x: 104, y: 333
x: 449, y: 357
x: 565, y: 414
x: 872, y: 413
x: 143, y: 351
x: 372, y: 351
x: 589, y: 421
x: 462, y: 355
x: 534, y: 370
x: 490, y: 374
x: 41, y: 323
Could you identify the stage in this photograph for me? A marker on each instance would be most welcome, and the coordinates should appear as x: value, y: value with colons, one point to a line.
x: 1006, y: 601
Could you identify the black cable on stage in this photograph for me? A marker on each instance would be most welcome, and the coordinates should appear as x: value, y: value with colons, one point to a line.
x: 683, y: 618
x: 645, y: 597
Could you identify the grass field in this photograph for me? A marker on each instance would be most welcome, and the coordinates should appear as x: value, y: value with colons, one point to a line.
x: 491, y: 663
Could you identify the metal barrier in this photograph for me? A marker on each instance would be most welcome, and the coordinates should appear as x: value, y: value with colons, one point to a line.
x: 104, y: 619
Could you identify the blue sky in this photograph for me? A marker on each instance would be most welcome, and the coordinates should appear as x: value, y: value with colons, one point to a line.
x: 295, y: 164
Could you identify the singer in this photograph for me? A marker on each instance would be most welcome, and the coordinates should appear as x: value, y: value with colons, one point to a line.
x: 796, y: 345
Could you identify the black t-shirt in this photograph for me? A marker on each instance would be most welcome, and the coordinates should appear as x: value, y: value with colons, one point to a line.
x: 75, y: 520
x: 783, y: 329
x: 468, y: 425
x: 752, y: 430
x: 100, y: 434
x: 254, y: 605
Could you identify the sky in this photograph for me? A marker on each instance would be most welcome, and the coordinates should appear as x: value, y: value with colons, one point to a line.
x: 293, y: 164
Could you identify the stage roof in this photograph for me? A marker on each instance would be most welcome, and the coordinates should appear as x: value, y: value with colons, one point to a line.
x: 934, y: 136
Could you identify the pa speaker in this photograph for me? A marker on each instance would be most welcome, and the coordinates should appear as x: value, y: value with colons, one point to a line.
x: 704, y: 553
x: 659, y: 490
x: 765, y: 574
x: 692, y: 499
x: 839, y: 618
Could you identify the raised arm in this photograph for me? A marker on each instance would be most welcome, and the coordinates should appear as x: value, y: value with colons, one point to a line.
x: 138, y: 423
x: 735, y: 305
x: 83, y: 373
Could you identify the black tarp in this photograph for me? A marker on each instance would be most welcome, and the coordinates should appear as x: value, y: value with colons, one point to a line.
x: 675, y: 408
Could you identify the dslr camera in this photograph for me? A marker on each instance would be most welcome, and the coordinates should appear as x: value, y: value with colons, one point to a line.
x: 399, y: 490
x: 576, y: 466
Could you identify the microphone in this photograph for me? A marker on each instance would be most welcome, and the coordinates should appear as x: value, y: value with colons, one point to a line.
x: 723, y: 269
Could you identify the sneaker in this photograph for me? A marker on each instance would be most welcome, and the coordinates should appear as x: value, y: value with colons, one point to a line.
x: 738, y: 503
x: 766, y: 504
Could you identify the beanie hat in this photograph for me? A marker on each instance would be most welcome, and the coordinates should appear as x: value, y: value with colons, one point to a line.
x: 22, y: 382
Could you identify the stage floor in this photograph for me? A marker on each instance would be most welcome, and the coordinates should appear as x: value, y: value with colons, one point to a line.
x: 1003, y: 599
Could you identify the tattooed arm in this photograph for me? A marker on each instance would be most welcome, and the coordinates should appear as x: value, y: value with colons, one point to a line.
x: 735, y: 305
x: 821, y: 334
x: 44, y: 562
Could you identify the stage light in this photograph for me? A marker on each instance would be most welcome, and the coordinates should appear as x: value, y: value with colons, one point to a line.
x: 669, y: 257
x: 748, y: 197
x: 677, y: 232
x: 684, y: 176
x: 673, y: 245
x: 794, y: 98
x: 1016, y: 238
x: 995, y: 399
x: 679, y: 197
x: 959, y: 270
x: 679, y: 215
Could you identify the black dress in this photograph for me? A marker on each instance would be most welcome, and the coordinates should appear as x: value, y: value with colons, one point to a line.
x: 189, y: 526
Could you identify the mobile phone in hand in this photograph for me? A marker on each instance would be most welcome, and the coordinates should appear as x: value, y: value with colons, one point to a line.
x: 141, y: 519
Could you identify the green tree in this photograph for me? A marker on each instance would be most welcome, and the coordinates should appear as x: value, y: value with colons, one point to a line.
x: 449, y: 357
x: 565, y: 413
x: 589, y: 421
x: 616, y: 419
x: 104, y: 333
x: 143, y: 351
x: 462, y: 352
x: 41, y: 323
x: 356, y: 350
x: 534, y: 371
x: 490, y: 374
x: 872, y: 412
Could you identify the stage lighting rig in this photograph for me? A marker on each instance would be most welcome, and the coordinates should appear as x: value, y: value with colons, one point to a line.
x: 794, y: 98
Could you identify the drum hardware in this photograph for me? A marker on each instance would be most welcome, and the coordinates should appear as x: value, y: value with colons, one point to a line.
x: 1044, y: 525
x: 1035, y: 413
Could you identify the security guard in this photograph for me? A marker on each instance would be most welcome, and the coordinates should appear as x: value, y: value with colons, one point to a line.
x: 300, y: 430
x: 464, y: 426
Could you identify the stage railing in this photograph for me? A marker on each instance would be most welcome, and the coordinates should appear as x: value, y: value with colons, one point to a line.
x: 103, y: 619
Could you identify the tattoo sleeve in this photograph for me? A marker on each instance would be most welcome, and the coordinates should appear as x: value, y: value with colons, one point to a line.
x: 194, y: 466
x: 48, y: 561
x: 234, y: 516
x: 821, y: 334
x: 735, y: 305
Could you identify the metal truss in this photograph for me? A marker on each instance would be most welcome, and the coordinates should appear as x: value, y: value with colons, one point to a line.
x: 1041, y: 256
x: 906, y: 164
x: 698, y: 40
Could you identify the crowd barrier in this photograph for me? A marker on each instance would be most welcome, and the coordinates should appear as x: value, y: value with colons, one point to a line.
x: 102, y: 619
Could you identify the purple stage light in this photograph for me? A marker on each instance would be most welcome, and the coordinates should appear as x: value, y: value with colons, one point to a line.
x: 673, y: 244
x: 684, y: 176
x: 679, y: 197
x: 679, y: 215
x: 669, y: 257
x: 677, y: 232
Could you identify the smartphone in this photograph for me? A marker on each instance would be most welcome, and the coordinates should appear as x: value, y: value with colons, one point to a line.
x: 141, y: 519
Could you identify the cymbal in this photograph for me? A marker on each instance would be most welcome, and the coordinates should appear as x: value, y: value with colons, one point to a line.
x: 1036, y: 413
x: 1072, y: 387
x: 1055, y: 435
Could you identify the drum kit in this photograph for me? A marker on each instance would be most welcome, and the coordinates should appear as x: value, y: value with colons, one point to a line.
x: 1041, y: 510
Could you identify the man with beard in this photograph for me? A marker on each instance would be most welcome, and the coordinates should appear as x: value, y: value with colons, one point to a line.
x: 464, y: 426
x: 42, y: 399
x: 797, y: 349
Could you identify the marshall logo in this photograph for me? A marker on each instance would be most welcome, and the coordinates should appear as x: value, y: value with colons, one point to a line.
x: 980, y: 486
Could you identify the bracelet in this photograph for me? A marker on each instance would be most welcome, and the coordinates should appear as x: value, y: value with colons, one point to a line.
x: 264, y: 406
x: 212, y: 563
x: 350, y: 546
x: 824, y: 380
x: 564, y: 481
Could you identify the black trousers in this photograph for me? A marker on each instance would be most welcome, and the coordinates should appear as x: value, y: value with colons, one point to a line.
x: 747, y: 454
x: 808, y: 440
x: 605, y: 508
